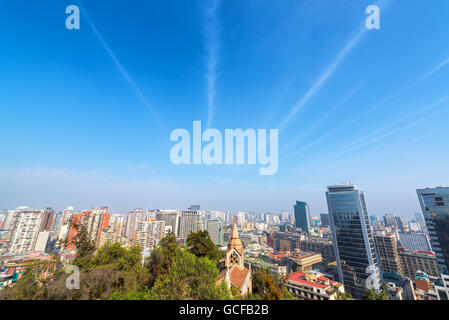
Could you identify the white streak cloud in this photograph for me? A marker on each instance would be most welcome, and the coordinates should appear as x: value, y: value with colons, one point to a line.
x: 212, y: 31
x: 122, y: 69
x: 349, y: 46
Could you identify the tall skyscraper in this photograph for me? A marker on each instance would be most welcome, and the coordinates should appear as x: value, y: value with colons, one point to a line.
x: 133, y: 218
x: 191, y: 221
x: 390, y: 220
x: 324, y: 219
x: 302, y: 216
x: 148, y: 234
x: 373, y: 220
x: 435, y: 207
x: 47, y: 220
x: 403, y: 224
x: 171, y: 218
x: 94, y: 222
x: 215, y: 229
x: 419, y: 217
x: 355, y: 251
x: 387, y: 250
x: 23, y: 230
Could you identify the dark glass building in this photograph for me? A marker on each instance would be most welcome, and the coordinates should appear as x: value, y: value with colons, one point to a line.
x: 435, y: 207
x: 324, y: 219
x: 302, y: 216
x: 355, y: 250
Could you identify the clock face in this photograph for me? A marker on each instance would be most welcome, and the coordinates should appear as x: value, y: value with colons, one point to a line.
x: 237, y: 105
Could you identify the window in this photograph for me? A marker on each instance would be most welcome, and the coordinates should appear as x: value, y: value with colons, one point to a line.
x: 234, y: 258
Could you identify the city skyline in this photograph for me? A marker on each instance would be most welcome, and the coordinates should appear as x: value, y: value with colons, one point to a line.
x: 290, y: 211
x: 88, y: 112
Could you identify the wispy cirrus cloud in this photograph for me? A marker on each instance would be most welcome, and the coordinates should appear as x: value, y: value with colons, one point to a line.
x: 383, y: 102
x: 326, y: 115
x: 212, y: 35
x: 121, y: 68
x: 329, y: 71
x: 429, y: 74
x: 393, y: 128
x: 410, y: 120
x: 434, y: 70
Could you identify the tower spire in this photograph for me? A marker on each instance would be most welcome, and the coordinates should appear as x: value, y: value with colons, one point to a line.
x: 235, y: 241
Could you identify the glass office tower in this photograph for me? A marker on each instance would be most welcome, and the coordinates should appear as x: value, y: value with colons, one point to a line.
x: 355, y: 251
x: 302, y: 216
x: 435, y: 207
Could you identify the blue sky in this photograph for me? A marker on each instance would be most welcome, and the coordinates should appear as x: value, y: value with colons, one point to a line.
x: 87, y: 114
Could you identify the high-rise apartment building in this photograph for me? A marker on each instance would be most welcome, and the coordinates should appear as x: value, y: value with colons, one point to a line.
x: 387, y: 251
x: 390, y: 221
x: 191, y: 221
x: 403, y: 224
x: 7, y: 220
x: 215, y: 229
x: 324, y: 219
x: 414, y: 261
x: 284, y: 216
x: 435, y: 207
x: 171, y: 218
x: 23, y: 230
x: 65, y: 224
x: 134, y: 217
x: 355, y: 250
x: 302, y: 216
x: 93, y: 221
x: 2, y: 219
x: 148, y: 234
x: 47, y: 220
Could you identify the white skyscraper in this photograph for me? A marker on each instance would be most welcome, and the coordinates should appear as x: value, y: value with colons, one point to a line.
x: 23, y: 230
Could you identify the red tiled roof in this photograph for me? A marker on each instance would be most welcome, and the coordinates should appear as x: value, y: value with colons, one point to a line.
x: 10, y: 271
x: 298, y: 277
x: 313, y: 284
x: 238, y: 276
x: 276, y: 256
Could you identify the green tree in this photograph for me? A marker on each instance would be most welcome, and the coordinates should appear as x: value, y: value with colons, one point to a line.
x: 84, y: 248
x: 161, y: 258
x: 189, y: 277
x: 371, y: 294
x: 31, y: 285
x: 265, y: 286
x: 344, y: 296
x: 201, y: 245
x: 113, y: 272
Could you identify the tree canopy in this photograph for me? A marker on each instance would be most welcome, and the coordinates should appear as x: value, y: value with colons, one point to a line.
x: 267, y: 286
x: 371, y: 294
x: 201, y: 245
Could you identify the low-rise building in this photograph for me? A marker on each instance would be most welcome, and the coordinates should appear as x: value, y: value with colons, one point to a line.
x: 303, y: 261
x: 313, y: 286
